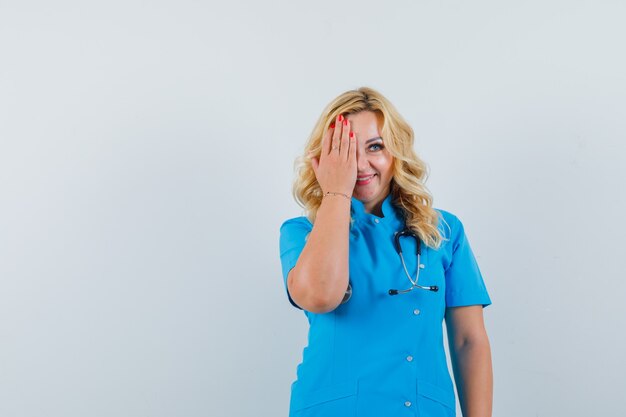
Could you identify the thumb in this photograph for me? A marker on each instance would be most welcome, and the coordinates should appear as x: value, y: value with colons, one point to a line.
x: 315, y: 163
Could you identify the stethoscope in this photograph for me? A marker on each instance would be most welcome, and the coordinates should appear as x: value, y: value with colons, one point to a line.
x: 396, y: 243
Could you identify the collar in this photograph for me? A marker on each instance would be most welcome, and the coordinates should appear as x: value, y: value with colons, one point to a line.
x: 390, y: 212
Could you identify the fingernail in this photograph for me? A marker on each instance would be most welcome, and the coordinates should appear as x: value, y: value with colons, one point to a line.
x: 340, y: 117
x: 351, y: 135
x: 332, y: 125
x: 345, y: 122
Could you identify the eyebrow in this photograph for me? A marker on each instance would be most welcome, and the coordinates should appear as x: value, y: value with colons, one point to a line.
x: 373, y: 139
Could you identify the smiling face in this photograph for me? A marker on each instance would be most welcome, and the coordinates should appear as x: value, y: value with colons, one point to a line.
x: 374, y: 162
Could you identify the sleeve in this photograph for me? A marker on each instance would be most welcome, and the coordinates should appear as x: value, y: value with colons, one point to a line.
x: 464, y: 282
x: 293, y: 235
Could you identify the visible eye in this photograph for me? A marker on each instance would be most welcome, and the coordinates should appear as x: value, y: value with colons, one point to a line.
x: 376, y: 147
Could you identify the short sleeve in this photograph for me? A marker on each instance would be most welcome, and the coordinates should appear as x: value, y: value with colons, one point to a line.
x: 293, y: 235
x: 464, y: 282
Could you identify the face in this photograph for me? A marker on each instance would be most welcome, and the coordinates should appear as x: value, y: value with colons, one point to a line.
x: 374, y: 163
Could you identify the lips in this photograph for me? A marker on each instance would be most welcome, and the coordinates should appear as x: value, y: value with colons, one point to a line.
x: 364, y: 179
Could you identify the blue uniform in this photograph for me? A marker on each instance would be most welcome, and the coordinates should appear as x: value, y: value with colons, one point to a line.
x: 381, y: 355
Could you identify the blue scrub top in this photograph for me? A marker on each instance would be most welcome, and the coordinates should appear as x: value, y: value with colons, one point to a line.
x: 381, y: 355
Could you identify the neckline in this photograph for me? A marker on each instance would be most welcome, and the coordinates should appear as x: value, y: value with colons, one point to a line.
x: 358, y: 209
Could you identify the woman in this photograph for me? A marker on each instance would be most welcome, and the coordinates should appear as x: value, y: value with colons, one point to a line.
x: 375, y: 309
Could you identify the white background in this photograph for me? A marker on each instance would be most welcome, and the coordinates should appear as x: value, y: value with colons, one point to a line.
x: 146, y: 162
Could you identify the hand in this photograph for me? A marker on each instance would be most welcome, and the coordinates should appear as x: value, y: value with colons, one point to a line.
x: 335, y: 169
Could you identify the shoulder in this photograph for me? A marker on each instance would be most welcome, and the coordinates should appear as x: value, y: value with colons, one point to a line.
x: 293, y: 233
x: 447, y: 215
x: 451, y: 228
x: 301, y: 222
x: 448, y: 220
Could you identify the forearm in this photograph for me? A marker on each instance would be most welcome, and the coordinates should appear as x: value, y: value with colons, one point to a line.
x: 320, y: 278
x: 474, y: 377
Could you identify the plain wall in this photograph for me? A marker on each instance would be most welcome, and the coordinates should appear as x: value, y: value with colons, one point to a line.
x: 146, y: 162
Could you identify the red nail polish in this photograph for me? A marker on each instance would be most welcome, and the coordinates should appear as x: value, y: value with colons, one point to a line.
x: 332, y: 125
x: 351, y: 135
x: 340, y: 117
x: 345, y: 122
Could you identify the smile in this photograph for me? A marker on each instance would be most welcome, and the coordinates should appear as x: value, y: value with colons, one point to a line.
x: 365, y: 180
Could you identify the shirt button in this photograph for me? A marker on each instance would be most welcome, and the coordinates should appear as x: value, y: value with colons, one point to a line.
x: 409, y: 358
x: 416, y: 311
x: 407, y: 403
x: 422, y: 266
x: 376, y: 221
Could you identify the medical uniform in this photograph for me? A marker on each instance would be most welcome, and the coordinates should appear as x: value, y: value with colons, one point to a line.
x: 380, y: 355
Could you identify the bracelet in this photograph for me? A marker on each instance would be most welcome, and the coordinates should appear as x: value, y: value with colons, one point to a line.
x: 341, y: 194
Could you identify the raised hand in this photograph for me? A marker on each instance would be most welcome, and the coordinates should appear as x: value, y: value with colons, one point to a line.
x: 336, y: 168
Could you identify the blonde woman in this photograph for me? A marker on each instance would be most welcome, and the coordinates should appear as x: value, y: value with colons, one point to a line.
x: 376, y: 270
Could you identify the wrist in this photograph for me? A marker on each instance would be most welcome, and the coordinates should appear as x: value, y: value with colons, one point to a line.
x: 337, y: 194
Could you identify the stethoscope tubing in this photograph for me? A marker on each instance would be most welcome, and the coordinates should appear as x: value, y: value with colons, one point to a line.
x: 396, y: 242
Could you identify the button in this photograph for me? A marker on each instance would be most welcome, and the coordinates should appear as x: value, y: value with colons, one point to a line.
x: 409, y: 358
x: 407, y: 403
x: 376, y: 221
x: 416, y: 311
x: 422, y: 266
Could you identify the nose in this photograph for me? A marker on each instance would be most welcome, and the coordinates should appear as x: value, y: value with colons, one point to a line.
x: 362, y: 163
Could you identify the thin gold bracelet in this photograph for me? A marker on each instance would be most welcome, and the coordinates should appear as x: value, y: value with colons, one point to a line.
x: 341, y: 194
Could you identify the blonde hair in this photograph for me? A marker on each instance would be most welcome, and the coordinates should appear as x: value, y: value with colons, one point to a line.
x: 408, y: 191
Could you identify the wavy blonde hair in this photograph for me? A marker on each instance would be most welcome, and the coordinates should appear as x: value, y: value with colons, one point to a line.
x: 408, y: 191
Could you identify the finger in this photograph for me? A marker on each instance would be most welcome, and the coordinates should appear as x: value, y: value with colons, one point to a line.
x: 327, y: 140
x: 352, y: 153
x: 345, y: 140
x: 337, y: 133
